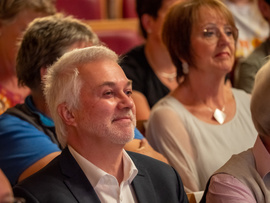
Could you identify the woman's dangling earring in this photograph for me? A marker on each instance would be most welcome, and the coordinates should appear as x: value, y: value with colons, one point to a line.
x: 185, y: 67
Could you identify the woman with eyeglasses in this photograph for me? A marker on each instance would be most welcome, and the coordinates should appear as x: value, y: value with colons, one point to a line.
x: 203, y: 121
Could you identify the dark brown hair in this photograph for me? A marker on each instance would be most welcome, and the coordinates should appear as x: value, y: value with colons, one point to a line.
x: 150, y: 7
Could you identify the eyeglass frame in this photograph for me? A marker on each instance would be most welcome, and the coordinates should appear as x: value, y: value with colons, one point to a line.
x: 217, y: 34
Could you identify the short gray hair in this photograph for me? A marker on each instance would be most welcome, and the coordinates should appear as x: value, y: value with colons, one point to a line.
x: 260, y: 101
x: 63, y: 83
x: 45, y: 40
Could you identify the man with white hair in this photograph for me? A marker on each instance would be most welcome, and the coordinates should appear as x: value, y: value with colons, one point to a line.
x: 30, y: 123
x: 89, y: 98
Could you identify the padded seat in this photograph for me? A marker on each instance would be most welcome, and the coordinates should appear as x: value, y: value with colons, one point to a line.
x: 83, y: 9
x: 129, y: 9
x: 120, y: 40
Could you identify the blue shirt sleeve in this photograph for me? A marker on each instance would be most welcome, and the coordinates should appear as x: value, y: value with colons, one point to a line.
x: 138, y: 135
x: 21, y: 145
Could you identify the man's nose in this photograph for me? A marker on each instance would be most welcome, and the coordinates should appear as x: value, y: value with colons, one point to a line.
x: 125, y: 101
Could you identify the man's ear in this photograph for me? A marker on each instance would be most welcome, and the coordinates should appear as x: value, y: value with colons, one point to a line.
x: 147, y: 23
x: 66, y: 114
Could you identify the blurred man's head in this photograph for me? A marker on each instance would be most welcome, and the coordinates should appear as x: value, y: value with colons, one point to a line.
x: 47, y: 39
x: 260, y: 108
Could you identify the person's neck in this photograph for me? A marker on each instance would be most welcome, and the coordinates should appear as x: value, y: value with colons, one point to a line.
x: 266, y: 141
x: 7, y: 69
x: 202, y: 90
x: 158, y: 57
x: 11, y: 84
x: 9, y: 80
x: 8, y: 76
x: 39, y: 102
x: 108, y: 157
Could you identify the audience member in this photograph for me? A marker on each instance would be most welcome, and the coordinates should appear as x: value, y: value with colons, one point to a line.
x: 14, y: 17
x: 245, y: 177
x: 46, y: 39
x: 28, y: 140
x: 203, y: 121
x: 248, y: 68
x: 253, y: 29
x: 89, y: 98
x: 149, y: 66
x: 6, y: 194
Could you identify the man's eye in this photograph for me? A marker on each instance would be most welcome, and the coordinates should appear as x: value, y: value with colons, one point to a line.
x: 108, y: 93
x: 129, y: 92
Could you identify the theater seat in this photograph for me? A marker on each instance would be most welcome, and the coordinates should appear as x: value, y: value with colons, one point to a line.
x: 195, y: 197
x: 83, y: 9
x: 120, y: 41
x: 129, y: 9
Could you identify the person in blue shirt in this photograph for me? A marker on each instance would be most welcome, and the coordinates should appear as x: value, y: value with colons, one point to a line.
x: 27, y: 134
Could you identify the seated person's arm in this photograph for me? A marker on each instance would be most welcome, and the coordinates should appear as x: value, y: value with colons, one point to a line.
x: 226, y: 188
x: 167, y: 135
x: 143, y: 147
x: 37, y: 165
x: 142, y: 106
x: 23, y: 147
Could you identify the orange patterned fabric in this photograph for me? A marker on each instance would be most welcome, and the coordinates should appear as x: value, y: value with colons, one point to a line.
x: 8, y: 99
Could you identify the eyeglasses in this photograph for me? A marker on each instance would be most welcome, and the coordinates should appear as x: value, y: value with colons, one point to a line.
x: 212, y: 34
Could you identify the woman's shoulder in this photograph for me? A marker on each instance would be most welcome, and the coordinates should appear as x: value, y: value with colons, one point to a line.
x: 167, y: 102
x: 242, y: 100
x: 241, y: 95
x: 167, y: 106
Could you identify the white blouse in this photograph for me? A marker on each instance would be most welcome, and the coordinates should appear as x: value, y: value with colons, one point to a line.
x: 196, y: 149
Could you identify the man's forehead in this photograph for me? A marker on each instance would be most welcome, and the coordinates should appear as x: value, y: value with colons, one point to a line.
x: 104, y: 66
x: 114, y: 83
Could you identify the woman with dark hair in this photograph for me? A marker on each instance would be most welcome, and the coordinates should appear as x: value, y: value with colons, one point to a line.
x: 149, y: 66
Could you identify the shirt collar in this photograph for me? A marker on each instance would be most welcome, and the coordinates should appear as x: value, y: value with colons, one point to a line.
x: 94, y: 174
x: 130, y: 170
x: 262, y: 157
x: 46, y: 121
